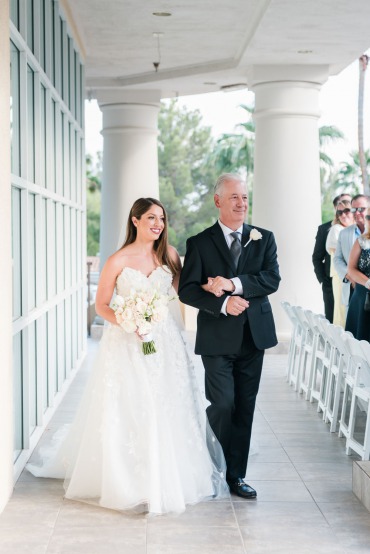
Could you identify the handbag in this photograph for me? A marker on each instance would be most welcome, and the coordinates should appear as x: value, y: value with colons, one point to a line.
x: 367, y: 301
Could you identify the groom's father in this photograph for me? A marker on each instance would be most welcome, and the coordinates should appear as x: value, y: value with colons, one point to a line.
x: 229, y: 270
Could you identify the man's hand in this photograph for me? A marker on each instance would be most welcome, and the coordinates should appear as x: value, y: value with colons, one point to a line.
x: 236, y: 305
x: 207, y: 287
x: 219, y: 285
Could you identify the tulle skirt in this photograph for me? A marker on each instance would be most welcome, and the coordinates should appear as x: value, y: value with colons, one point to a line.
x: 140, y: 439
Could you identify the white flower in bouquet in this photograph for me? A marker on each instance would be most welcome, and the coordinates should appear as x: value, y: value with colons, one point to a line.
x: 138, y: 311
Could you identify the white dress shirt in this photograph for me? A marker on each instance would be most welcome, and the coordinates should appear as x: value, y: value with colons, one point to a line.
x: 237, y: 282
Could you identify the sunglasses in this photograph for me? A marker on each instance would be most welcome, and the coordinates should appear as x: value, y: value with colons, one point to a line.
x: 367, y: 217
x: 359, y: 210
x: 345, y: 211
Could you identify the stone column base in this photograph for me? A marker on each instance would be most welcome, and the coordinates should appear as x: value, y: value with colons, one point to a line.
x: 361, y: 482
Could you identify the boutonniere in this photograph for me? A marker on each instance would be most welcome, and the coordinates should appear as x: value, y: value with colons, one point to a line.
x: 254, y: 235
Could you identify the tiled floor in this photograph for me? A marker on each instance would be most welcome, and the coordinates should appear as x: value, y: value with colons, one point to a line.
x: 301, y: 472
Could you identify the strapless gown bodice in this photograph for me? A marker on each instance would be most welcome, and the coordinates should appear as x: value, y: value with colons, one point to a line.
x: 132, y: 279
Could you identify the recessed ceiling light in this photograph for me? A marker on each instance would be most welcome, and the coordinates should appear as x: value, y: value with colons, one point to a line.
x: 158, y: 35
x: 162, y: 14
x: 305, y: 51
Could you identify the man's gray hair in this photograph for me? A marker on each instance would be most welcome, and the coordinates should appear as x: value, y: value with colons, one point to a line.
x: 226, y: 177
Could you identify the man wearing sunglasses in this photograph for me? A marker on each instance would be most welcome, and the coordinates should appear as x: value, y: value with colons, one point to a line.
x: 321, y: 262
x: 347, y: 237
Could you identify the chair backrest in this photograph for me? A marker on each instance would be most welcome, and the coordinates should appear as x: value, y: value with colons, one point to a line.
x: 299, y: 312
x: 312, y: 320
x: 289, y: 312
x: 358, y: 359
x: 365, y: 347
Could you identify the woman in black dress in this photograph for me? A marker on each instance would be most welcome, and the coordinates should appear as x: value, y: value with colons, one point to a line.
x: 358, y: 321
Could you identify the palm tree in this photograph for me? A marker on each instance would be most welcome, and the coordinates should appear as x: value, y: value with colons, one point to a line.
x: 327, y: 135
x: 235, y: 151
x: 363, y: 61
x: 350, y: 174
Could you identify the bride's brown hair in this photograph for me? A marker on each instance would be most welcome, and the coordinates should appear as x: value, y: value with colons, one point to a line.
x: 139, y: 208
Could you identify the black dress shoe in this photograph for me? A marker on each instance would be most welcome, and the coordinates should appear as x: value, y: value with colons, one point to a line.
x: 240, y: 488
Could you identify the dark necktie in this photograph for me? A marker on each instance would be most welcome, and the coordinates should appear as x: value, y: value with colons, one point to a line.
x: 235, y: 248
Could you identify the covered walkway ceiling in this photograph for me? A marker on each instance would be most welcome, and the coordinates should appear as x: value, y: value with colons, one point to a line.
x: 205, y: 45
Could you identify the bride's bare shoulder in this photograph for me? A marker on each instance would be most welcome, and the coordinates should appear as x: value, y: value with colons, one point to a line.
x: 174, y: 255
x: 117, y: 261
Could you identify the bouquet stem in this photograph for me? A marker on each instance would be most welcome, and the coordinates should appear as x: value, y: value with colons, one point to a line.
x: 148, y: 345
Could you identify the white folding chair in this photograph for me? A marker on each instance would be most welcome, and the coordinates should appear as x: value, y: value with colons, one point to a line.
x: 337, y: 371
x: 321, y: 363
x: 358, y: 430
x: 311, y: 349
x: 295, y: 346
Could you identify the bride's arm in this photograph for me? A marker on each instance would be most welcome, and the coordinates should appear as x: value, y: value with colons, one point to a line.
x: 107, y: 283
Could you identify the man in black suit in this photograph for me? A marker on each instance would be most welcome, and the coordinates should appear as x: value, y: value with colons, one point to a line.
x: 321, y: 262
x: 228, y: 272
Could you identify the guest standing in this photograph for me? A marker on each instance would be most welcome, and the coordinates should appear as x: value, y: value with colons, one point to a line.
x: 358, y: 320
x: 343, y: 218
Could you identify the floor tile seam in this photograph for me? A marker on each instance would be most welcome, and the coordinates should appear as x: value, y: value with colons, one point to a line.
x: 53, y: 530
x: 238, y: 526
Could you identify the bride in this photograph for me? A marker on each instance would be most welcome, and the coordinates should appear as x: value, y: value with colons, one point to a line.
x: 140, y: 439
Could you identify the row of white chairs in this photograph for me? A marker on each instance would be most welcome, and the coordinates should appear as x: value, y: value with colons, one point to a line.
x: 329, y: 366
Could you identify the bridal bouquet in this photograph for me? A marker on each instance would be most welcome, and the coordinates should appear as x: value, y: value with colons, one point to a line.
x: 138, y: 312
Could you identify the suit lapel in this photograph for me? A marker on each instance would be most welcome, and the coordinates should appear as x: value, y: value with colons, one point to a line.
x: 245, y: 249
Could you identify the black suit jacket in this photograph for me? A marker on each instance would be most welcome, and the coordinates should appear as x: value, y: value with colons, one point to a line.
x: 320, y: 257
x: 208, y: 255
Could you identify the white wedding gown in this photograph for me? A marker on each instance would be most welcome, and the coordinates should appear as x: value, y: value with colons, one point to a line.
x: 139, y: 440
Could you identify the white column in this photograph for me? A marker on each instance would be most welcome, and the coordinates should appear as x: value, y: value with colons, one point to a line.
x: 130, y: 160
x: 6, y: 373
x: 286, y: 193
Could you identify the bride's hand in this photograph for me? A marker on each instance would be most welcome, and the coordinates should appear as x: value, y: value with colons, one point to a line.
x: 209, y: 287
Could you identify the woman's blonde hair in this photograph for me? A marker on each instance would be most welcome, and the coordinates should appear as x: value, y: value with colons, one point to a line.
x: 139, y: 208
x: 341, y: 205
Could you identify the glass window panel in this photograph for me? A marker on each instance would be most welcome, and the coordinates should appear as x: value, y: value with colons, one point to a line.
x: 43, y: 118
x: 17, y: 394
x: 51, y: 149
x: 42, y: 345
x: 30, y: 126
x: 61, y: 345
x: 68, y: 338
x: 71, y: 73
x: 65, y: 63
x: 17, y: 252
x: 74, y: 329
x: 72, y: 139
x: 62, y: 160
x: 60, y: 246
x: 73, y: 247
x: 14, y: 110
x: 58, y: 146
x: 43, y: 33
x: 31, y: 278
x: 32, y: 378
x: 41, y: 246
x: 14, y: 12
x: 52, y: 354
x: 49, y: 33
x: 51, y: 250
x: 30, y: 24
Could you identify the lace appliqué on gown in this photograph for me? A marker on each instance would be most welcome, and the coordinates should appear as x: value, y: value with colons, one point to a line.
x: 140, y: 436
